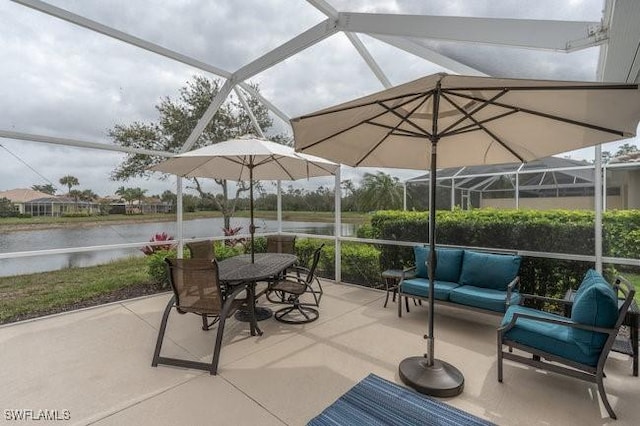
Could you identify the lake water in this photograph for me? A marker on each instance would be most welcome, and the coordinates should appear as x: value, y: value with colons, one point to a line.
x: 107, y: 234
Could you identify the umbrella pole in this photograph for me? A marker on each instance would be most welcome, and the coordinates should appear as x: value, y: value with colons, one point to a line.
x: 252, y: 228
x: 426, y: 374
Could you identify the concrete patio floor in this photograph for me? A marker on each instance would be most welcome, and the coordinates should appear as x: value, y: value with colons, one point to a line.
x: 96, y: 363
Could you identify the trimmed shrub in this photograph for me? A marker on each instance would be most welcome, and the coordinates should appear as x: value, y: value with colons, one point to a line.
x: 555, y: 231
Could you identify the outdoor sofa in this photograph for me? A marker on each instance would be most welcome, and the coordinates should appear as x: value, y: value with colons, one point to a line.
x: 464, y: 278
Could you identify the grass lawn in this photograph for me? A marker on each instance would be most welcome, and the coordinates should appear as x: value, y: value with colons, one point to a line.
x: 28, y: 296
x: 635, y: 280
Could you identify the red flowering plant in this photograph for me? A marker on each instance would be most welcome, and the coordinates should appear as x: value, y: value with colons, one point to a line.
x: 149, y: 250
x: 229, y: 232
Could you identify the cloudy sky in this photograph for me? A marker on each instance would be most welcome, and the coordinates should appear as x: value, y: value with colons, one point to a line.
x: 62, y: 80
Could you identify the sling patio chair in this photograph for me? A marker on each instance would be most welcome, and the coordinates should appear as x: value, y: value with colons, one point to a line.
x: 577, y: 346
x: 201, y: 249
x: 290, y: 288
x: 196, y: 290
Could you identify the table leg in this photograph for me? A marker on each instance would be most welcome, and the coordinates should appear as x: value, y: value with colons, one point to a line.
x: 387, y: 288
x: 249, y: 315
x: 634, y: 342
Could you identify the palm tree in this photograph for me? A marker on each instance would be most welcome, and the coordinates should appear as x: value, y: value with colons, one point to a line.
x: 47, y: 189
x: 380, y: 191
x: 69, y: 181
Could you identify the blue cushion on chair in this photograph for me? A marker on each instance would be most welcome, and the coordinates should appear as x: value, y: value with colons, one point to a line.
x: 448, y: 263
x: 483, y: 298
x: 552, y: 338
x: 595, y: 305
x: 488, y: 270
x: 591, y: 277
x: 420, y: 287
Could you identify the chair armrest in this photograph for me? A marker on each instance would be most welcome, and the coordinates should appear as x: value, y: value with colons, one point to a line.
x: 405, y: 271
x: 513, y: 285
x: 566, y: 323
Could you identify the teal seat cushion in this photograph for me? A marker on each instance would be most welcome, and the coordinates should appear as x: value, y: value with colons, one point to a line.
x: 595, y: 305
x: 552, y: 338
x: 494, y: 271
x: 448, y: 263
x: 420, y: 287
x: 483, y: 298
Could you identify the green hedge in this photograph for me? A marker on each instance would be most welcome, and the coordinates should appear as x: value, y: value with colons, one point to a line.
x: 558, y: 231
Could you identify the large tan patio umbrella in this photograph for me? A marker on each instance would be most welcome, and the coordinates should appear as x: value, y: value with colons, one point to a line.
x: 449, y: 120
x: 247, y: 159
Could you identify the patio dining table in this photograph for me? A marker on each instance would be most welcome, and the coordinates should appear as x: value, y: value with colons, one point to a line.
x: 239, y: 270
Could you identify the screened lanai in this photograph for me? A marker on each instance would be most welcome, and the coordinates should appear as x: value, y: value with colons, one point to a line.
x: 73, y: 71
x: 548, y: 183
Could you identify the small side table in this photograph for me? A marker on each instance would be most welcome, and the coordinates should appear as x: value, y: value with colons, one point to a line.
x: 392, y: 278
x: 623, y: 344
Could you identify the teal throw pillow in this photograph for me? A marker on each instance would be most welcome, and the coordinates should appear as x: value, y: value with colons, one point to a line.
x: 494, y: 271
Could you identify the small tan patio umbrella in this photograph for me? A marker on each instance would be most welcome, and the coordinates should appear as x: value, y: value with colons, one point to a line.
x: 449, y: 120
x: 247, y: 158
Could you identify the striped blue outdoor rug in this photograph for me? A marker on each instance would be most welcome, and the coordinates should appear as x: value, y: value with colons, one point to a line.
x: 376, y: 401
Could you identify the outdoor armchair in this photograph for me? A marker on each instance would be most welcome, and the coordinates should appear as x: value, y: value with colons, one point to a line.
x: 578, y: 346
x: 196, y: 290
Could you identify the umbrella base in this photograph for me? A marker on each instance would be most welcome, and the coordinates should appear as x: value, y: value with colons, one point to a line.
x: 261, y: 314
x: 441, y: 379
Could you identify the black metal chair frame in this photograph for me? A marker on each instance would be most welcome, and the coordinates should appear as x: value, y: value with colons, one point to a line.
x: 229, y: 306
x: 294, y: 285
x: 546, y: 361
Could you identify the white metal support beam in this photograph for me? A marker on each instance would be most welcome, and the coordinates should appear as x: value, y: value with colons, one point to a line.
x: 620, y: 58
x: 331, y: 12
x: 527, y: 33
x: 297, y: 44
x: 252, y: 116
x: 208, y: 115
x: 432, y: 56
x: 373, y: 65
x: 80, y: 144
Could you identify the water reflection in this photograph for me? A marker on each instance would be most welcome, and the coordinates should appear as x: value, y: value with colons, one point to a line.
x: 106, y: 234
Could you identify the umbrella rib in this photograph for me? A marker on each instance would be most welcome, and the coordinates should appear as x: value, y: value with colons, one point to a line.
x: 386, y: 126
x: 475, y: 111
x: 397, y: 114
x: 403, y: 119
x: 474, y: 127
x: 355, y: 125
x: 414, y: 96
x: 545, y: 115
x: 489, y: 132
x: 276, y: 160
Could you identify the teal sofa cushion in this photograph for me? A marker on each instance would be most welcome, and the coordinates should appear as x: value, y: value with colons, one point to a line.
x: 448, y: 263
x: 420, y: 287
x: 552, y: 338
x: 493, y: 271
x: 596, y: 305
x: 483, y: 298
